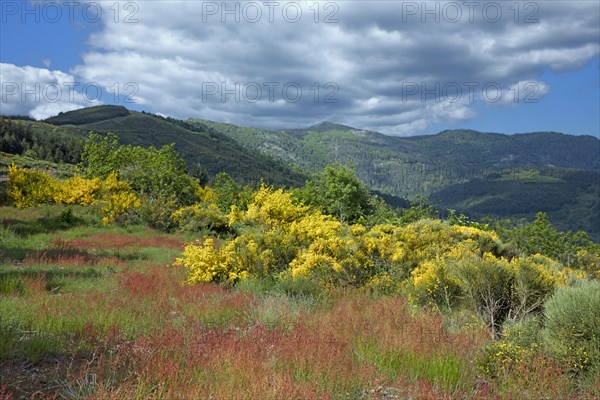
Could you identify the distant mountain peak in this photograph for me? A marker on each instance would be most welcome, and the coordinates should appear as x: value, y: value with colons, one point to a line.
x: 465, y: 132
x: 88, y: 115
x: 325, y: 126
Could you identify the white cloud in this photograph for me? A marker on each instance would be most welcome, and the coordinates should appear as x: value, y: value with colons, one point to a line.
x: 178, y: 51
x: 523, y: 92
x: 39, y: 92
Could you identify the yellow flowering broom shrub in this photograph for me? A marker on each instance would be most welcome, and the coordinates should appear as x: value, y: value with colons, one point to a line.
x: 323, y: 257
x: 274, y: 208
x: 434, y: 285
x: 118, y: 199
x: 201, y: 216
x: 78, y: 190
x: 208, y: 262
x: 205, y: 195
x: 31, y: 187
x: 519, y: 343
x: 534, y: 280
x: 274, y: 232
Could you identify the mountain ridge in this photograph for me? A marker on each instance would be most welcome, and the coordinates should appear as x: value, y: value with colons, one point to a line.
x: 474, y: 172
x: 105, y: 112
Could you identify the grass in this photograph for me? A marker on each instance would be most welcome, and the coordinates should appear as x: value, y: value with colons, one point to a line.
x: 92, y: 311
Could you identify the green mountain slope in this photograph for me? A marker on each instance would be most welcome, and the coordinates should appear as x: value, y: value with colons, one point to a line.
x: 541, y: 149
x: 205, y: 148
x: 417, y: 165
x: 571, y: 198
x: 88, y: 115
x: 473, y: 172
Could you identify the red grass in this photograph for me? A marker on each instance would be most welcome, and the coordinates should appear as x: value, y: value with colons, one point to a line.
x: 108, y: 241
x: 179, y: 355
x: 70, y: 258
x: 35, y: 286
x: 5, y: 393
x: 312, y: 360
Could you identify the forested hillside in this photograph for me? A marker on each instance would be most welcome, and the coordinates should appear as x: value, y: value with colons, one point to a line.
x: 570, y: 197
x: 421, y: 164
x: 207, y: 151
x: 473, y: 172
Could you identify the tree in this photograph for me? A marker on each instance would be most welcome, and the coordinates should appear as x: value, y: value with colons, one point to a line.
x: 230, y: 193
x: 101, y: 155
x: 419, y: 209
x: 486, y: 282
x: 155, y: 174
x: 337, y: 191
x: 570, y: 248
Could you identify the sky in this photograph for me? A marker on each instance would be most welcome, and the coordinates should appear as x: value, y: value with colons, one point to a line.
x: 398, y: 67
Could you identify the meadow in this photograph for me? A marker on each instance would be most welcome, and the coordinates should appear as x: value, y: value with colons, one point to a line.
x: 129, y: 279
x: 98, y: 311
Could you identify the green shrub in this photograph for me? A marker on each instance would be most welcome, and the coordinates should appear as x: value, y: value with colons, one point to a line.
x: 255, y: 286
x: 66, y: 216
x: 534, y: 282
x: 156, y: 212
x: 201, y: 217
x: 299, y: 287
x: 519, y: 343
x: 486, y: 283
x: 572, y: 328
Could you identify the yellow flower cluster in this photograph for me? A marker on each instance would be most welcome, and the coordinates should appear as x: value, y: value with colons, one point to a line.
x: 588, y: 261
x: 283, y: 239
x: 118, y: 198
x: 78, y: 190
x: 205, y: 194
x: 433, y: 284
x: 503, y: 355
x: 208, y: 262
x: 274, y: 208
x: 322, y: 255
x: 30, y: 188
x: 118, y: 204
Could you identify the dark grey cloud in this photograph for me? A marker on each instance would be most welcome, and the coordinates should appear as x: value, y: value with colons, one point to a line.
x: 374, y: 54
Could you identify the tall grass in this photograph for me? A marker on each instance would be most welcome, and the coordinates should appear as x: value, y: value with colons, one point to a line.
x: 103, y: 314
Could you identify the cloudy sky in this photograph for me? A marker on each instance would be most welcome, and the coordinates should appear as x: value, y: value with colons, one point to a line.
x: 398, y: 67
